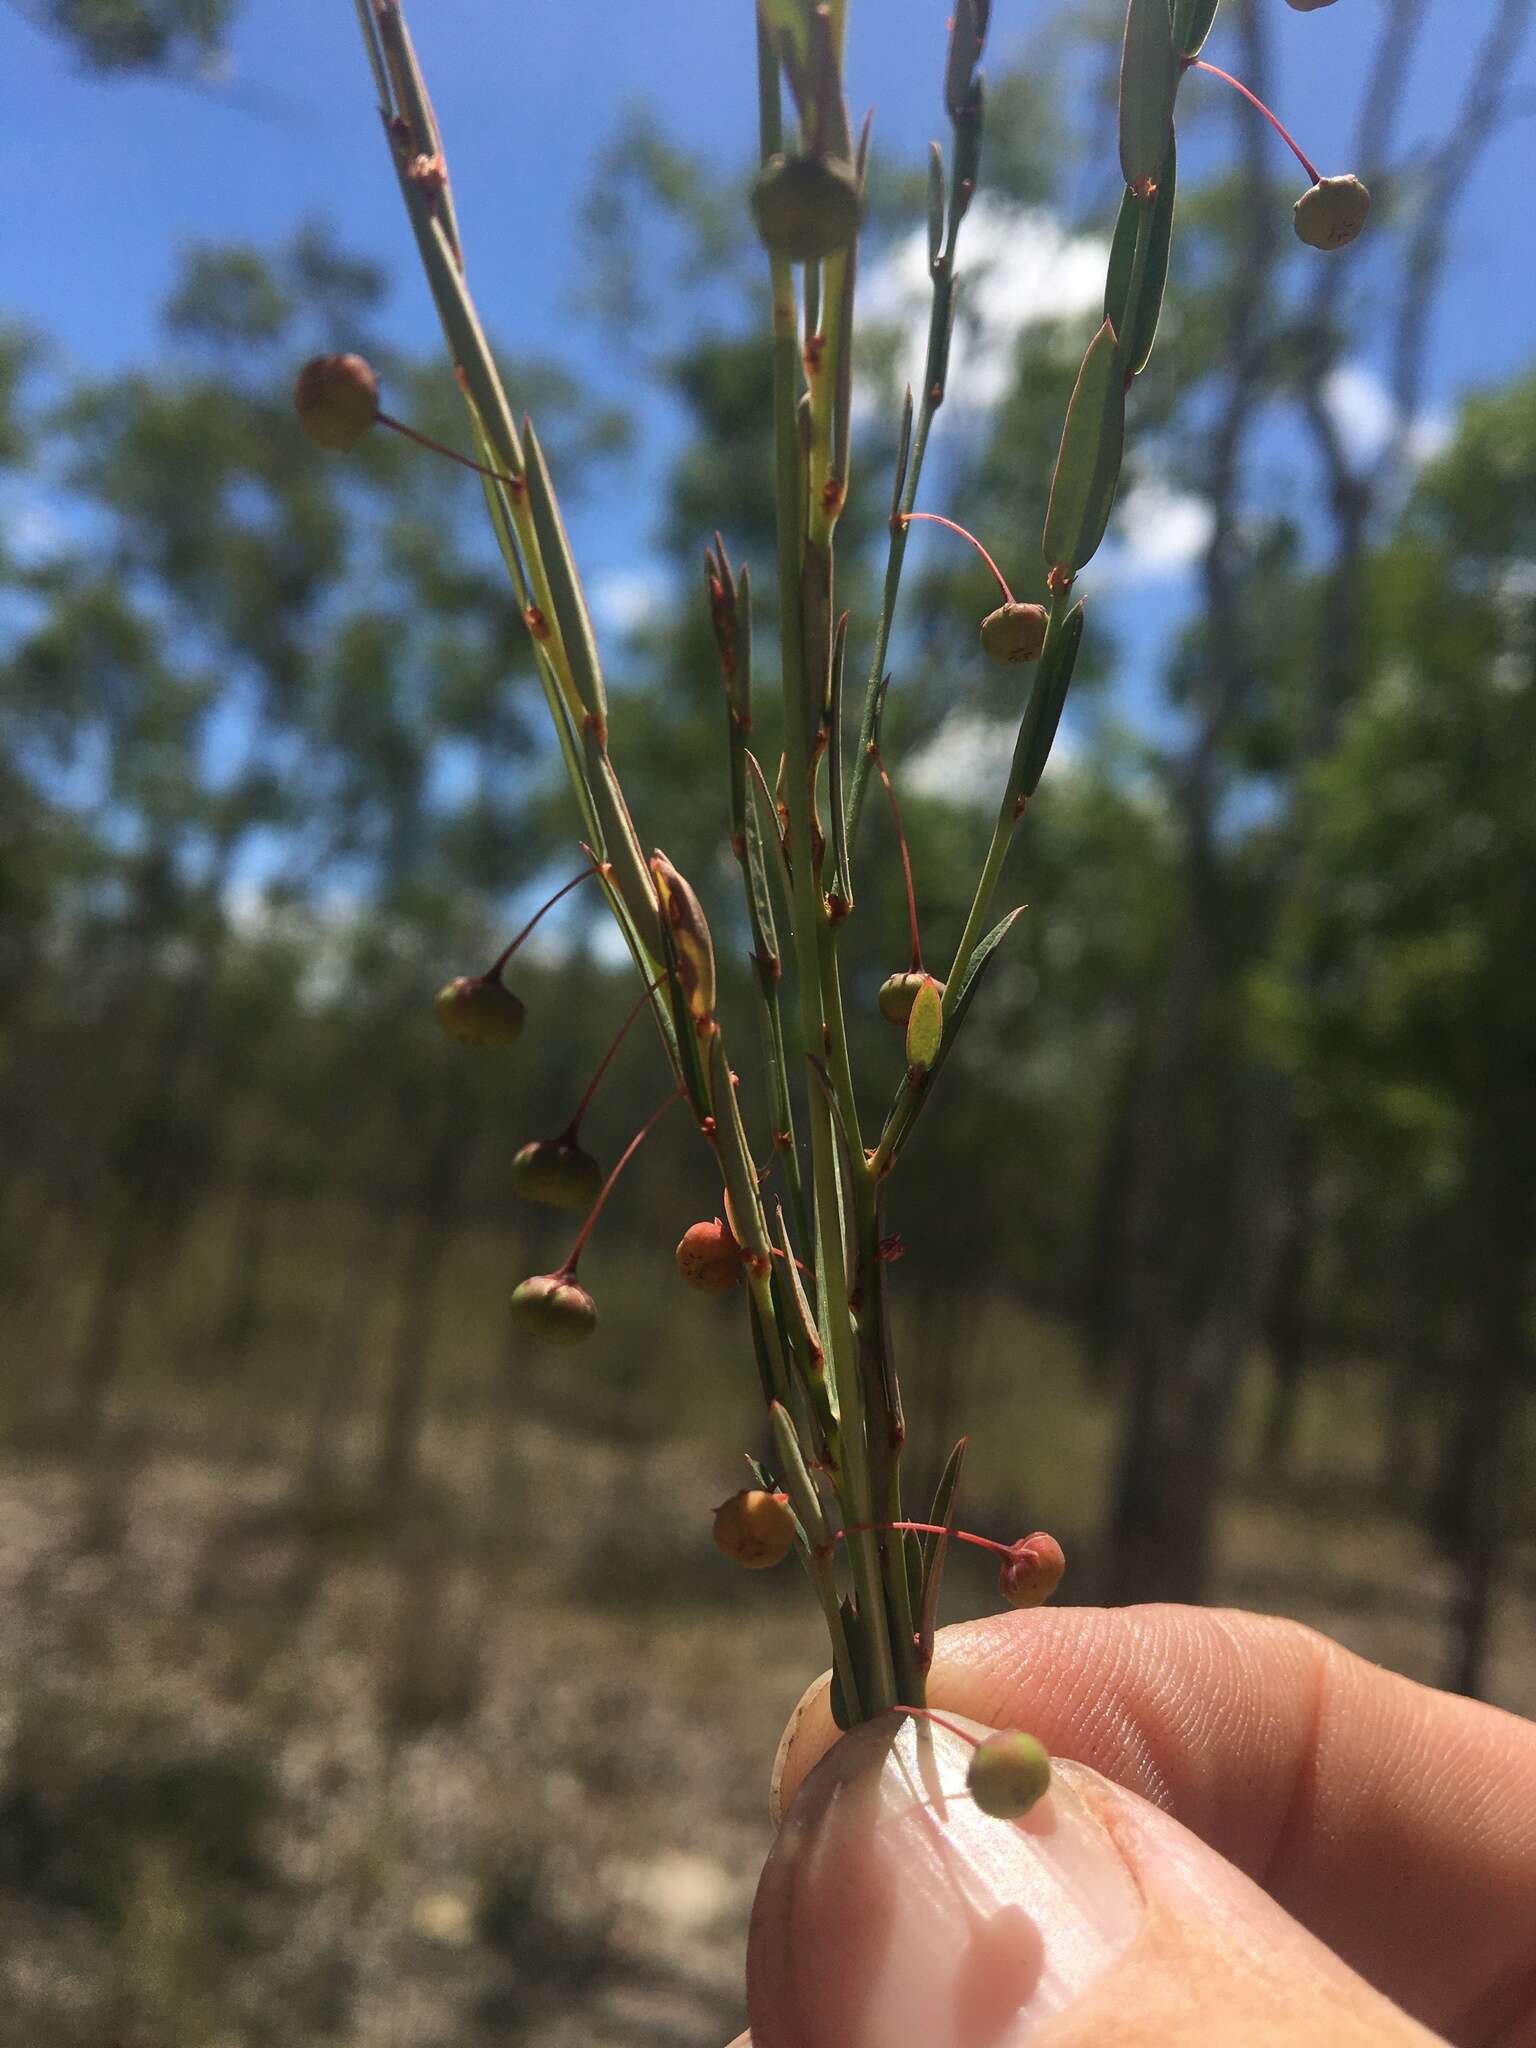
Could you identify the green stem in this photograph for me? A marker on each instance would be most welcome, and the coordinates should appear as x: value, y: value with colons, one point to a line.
x: 880, y: 1692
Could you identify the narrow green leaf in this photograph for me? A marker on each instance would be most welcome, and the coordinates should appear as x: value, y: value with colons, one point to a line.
x: 770, y: 832
x: 572, y: 618
x: 631, y: 876
x: 903, y: 454
x: 1088, y: 466
x: 842, y: 874
x: 798, y: 1483
x: 1192, y: 24
x: 936, y: 203
x: 1136, y: 326
x: 935, y: 1549
x: 968, y: 28
x: 925, y: 1025
x: 1149, y: 80
x: 749, y: 1222
x: 967, y: 153
x: 1038, y: 731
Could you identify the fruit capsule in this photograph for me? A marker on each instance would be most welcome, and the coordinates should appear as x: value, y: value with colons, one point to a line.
x: 557, y: 1172
x: 337, y: 400
x: 709, y: 1258
x: 554, y: 1307
x: 1331, y: 214
x: 755, y: 1528
x: 1009, y: 1773
x: 806, y: 207
x: 480, y: 1010
x: 1031, y: 1571
x: 1015, y: 632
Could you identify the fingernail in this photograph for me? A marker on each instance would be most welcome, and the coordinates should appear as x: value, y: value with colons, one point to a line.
x: 892, y: 1913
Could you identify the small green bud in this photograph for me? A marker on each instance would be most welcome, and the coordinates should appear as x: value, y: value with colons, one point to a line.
x: 899, y: 992
x: 480, y: 1010
x: 553, y: 1307
x: 1332, y: 213
x: 558, y: 1172
x: 709, y: 1258
x: 755, y: 1528
x: 925, y: 1026
x: 1015, y: 632
x: 337, y: 400
x: 1009, y: 1773
x: 806, y: 207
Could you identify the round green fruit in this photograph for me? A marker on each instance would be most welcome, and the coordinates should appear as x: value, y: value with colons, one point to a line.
x: 551, y: 1306
x: 479, y: 1010
x: 1009, y: 1773
x: 1015, y: 632
x: 1332, y: 213
x: 806, y: 207
x: 557, y: 1172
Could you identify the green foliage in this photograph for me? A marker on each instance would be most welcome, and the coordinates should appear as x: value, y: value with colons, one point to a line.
x: 117, y: 36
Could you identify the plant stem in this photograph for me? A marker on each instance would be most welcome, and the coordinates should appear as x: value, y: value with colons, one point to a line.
x: 1284, y: 133
x: 625, y: 1156
x: 644, y: 997
x: 506, y: 953
x: 791, y: 512
x: 938, y: 519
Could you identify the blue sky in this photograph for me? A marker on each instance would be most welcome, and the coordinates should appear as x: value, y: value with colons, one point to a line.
x: 103, y: 184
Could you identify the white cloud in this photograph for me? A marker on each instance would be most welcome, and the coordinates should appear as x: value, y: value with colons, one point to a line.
x: 1366, y: 416
x: 623, y: 600
x: 1162, y: 532
x: 35, y: 532
x: 966, y: 760
x: 1018, y: 267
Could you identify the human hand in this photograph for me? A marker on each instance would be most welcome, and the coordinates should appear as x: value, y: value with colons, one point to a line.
x: 1252, y: 1837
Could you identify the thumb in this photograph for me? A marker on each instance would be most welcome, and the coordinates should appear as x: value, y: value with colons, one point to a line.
x: 893, y: 1913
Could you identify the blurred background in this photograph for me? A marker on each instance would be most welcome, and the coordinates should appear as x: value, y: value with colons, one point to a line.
x: 370, y: 1677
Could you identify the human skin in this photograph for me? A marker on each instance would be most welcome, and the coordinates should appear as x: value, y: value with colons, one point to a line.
x: 1253, y: 1837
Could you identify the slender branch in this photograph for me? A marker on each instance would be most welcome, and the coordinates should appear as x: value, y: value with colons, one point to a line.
x: 938, y: 519
x: 1284, y: 133
x: 625, y: 1156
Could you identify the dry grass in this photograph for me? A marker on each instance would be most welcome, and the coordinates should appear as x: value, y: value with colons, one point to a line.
x: 491, y: 1770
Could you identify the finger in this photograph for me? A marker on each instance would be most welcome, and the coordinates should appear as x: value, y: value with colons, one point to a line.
x: 893, y: 1913
x: 1397, y: 1823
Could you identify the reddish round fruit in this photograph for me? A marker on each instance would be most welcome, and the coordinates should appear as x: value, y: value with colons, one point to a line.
x: 1015, y: 632
x: 1332, y: 213
x: 480, y: 1010
x: 553, y: 1307
x: 755, y: 1528
x: 1009, y: 1773
x: 709, y: 1258
x: 1031, y: 1571
x: 337, y: 399
x: 557, y: 1172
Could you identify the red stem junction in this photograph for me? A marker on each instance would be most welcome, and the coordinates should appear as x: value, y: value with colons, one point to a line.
x: 938, y: 519
x: 568, y: 1270
x: 1284, y: 133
